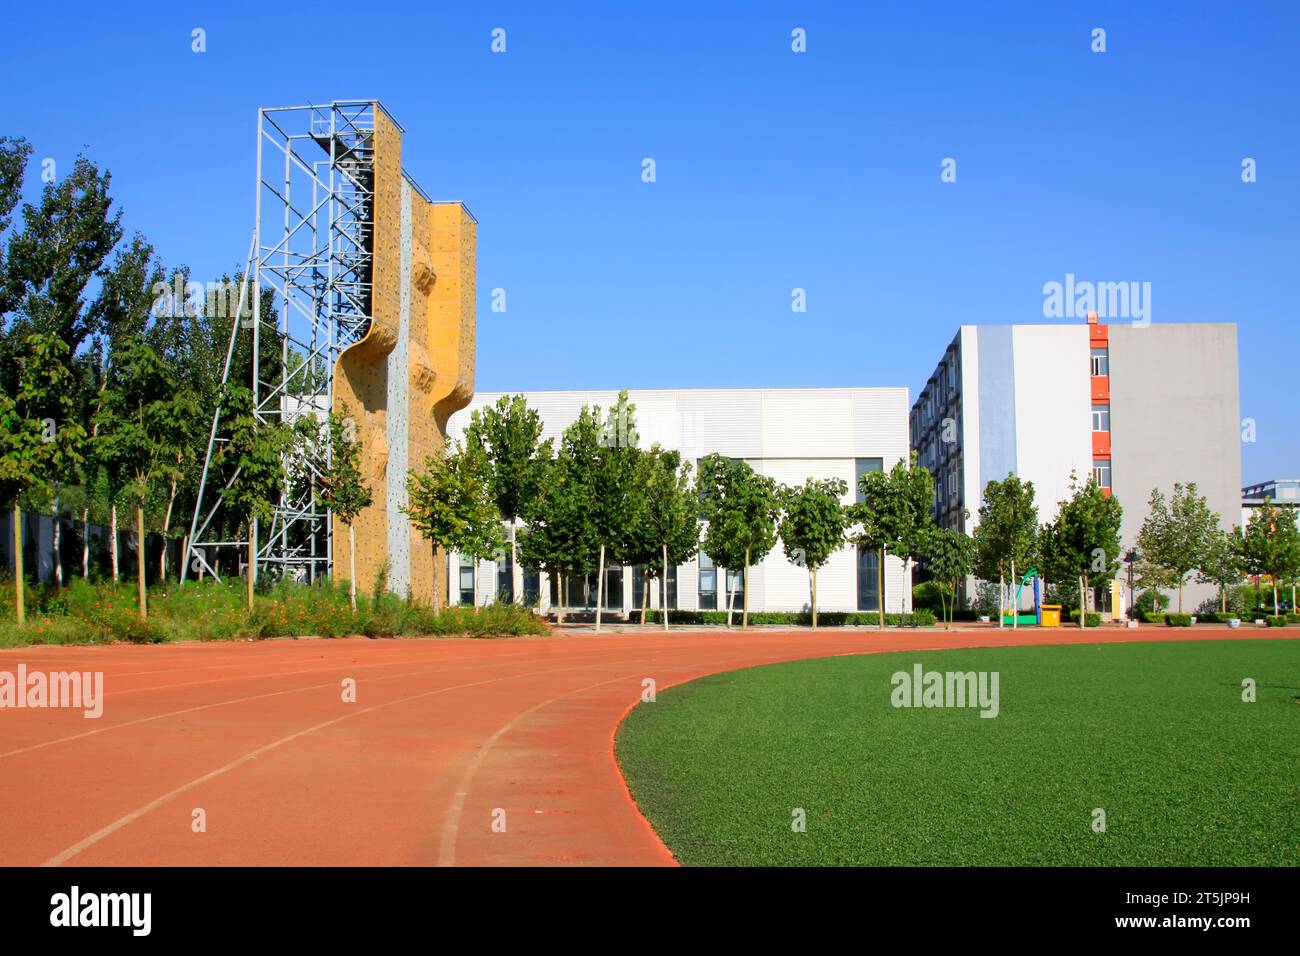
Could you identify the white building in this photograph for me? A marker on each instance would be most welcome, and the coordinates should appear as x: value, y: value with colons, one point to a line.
x: 1281, y: 492
x: 1136, y: 407
x: 787, y: 434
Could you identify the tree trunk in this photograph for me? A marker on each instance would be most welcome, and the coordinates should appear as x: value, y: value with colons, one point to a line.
x: 600, y: 587
x: 56, y: 534
x: 812, y: 573
x: 1223, y: 594
x: 559, y: 596
x: 1180, y: 595
x: 85, y: 543
x: 1083, y: 605
x: 514, y: 563
x: 139, y: 561
x: 18, y: 568
x: 943, y: 608
x: 907, y: 591
x: 252, y: 558
x: 880, y: 585
x: 437, y: 579
x: 112, y: 533
x: 1002, y: 599
x: 1275, y: 611
x: 1015, y: 605
x: 744, y: 617
x: 352, y: 567
x: 731, y: 598
x: 663, y: 601
x: 166, y: 526
x: 645, y: 593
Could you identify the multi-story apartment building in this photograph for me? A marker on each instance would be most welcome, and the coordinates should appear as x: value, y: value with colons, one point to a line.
x: 1136, y: 407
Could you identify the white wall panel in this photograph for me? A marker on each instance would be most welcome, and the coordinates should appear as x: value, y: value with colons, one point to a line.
x: 1053, y: 409
x: 788, y: 434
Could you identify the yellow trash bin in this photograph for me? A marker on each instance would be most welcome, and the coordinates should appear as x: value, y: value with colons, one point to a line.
x: 1051, y: 615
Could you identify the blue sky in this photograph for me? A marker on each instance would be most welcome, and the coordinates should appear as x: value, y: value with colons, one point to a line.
x: 774, y: 170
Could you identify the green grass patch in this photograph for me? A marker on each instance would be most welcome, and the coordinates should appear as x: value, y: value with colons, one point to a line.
x: 1156, y: 735
x: 99, y: 613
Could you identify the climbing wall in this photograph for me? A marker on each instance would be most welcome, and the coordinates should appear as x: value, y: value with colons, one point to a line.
x: 414, y: 367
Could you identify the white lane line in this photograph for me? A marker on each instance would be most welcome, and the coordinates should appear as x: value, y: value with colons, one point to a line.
x: 106, y: 831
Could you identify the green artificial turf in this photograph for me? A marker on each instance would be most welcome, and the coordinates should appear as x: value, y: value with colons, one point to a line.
x: 1156, y: 735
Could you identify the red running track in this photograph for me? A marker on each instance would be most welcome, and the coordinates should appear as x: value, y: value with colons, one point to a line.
x: 442, y: 734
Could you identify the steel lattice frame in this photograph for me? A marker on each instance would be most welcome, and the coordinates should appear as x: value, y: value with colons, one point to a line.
x: 313, y: 249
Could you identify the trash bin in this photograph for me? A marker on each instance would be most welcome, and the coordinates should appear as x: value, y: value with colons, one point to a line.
x: 1051, y: 615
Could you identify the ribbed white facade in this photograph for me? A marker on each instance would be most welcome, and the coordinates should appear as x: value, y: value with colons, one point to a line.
x: 788, y: 434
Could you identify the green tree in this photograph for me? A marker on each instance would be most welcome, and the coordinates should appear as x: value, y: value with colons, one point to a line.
x: 616, y: 500
x: 742, y: 509
x: 342, y: 487
x: 1082, y: 543
x: 254, y: 454
x: 868, y: 520
x: 38, y: 442
x: 451, y: 503
x: 53, y: 257
x: 1224, y: 564
x: 950, y: 557
x: 560, y: 536
x: 905, y: 518
x: 13, y: 167
x: 669, y: 529
x: 1006, y: 536
x: 813, y: 526
x: 1177, y: 535
x: 143, y: 422
x: 63, y: 243
x: 510, y: 434
x: 1272, y: 545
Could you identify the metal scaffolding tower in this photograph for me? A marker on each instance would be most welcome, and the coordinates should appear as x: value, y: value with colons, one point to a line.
x: 305, y: 296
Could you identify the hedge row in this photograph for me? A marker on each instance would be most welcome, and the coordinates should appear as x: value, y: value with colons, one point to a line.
x: 1094, y: 618
x: 918, y: 618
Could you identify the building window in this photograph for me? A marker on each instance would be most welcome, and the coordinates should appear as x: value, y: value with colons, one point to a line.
x: 569, y: 590
x: 1101, y: 418
x: 580, y: 591
x: 640, y: 580
x: 868, y: 582
x: 505, y: 579
x: 532, y: 588
x: 860, y: 467
x: 1101, y: 472
x: 1100, y: 362
x: 640, y: 588
x: 467, y: 581
x: 708, y: 584
x: 736, y: 581
x: 613, y: 596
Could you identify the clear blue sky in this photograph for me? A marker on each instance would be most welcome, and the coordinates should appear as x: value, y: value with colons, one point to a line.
x: 775, y: 170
